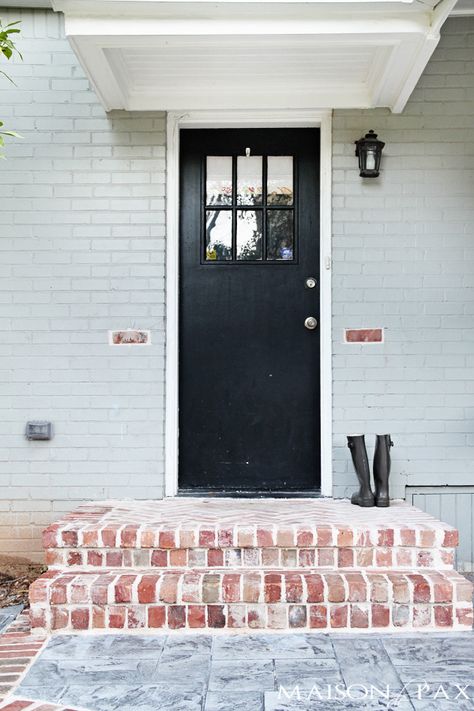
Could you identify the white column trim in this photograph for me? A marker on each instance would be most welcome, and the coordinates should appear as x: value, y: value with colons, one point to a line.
x: 241, y: 119
x: 326, y: 305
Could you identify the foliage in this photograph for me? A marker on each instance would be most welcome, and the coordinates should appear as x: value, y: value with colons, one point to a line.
x: 7, y: 46
x: 8, y: 49
x: 6, y: 133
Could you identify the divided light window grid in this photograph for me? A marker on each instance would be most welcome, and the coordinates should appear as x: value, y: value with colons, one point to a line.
x: 249, y: 209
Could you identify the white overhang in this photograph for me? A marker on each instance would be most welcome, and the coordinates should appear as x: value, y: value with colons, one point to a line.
x: 260, y: 54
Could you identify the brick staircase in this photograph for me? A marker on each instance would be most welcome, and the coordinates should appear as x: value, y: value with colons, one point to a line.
x: 249, y: 564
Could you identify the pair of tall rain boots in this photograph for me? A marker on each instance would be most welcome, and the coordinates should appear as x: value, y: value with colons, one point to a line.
x: 365, y: 495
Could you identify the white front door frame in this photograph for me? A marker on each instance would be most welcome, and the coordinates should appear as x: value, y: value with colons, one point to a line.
x: 244, y: 119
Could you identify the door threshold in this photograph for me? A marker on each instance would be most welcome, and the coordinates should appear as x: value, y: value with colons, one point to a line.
x: 200, y: 492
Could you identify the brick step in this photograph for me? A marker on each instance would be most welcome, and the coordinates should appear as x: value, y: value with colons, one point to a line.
x: 117, y: 599
x: 354, y: 557
x: 266, y: 533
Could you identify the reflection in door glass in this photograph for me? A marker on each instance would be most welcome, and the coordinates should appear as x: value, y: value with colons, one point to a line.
x: 249, y: 234
x: 280, y: 241
x: 280, y: 180
x: 249, y: 180
x: 218, y: 235
x: 219, y: 180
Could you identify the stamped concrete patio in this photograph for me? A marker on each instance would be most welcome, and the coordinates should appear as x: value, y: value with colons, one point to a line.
x: 202, y: 672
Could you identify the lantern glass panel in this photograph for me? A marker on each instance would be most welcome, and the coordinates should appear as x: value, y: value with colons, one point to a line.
x: 370, y: 160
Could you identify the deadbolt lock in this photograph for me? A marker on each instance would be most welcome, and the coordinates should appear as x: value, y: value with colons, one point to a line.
x: 310, y: 323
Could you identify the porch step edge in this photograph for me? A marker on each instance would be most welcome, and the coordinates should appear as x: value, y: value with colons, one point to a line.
x: 179, y: 523
x: 118, y: 599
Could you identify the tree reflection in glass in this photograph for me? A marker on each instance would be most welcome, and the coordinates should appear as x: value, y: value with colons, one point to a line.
x: 249, y: 234
x: 280, y: 180
x: 218, y: 235
x: 219, y: 180
x: 249, y: 180
x: 280, y: 234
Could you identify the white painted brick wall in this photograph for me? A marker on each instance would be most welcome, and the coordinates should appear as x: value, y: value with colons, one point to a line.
x: 404, y: 259
x: 82, y: 251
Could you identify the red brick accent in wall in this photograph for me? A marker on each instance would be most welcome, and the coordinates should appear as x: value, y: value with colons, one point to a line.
x: 363, y: 335
x: 130, y: 337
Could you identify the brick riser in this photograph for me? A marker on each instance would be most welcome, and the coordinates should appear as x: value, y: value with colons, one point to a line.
x: 396, y: 558
x: 79, y: 534
x: 68, y: 601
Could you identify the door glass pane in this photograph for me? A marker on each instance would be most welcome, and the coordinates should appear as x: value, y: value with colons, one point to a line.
x: 249, y: 234
x: 280, y: 180
x: 219, y: 180
x: 280, y: 239
x: 218, y: 235
x: 249, y: 180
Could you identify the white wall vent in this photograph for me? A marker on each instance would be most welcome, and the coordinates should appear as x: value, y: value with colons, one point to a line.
x: 453, y: 505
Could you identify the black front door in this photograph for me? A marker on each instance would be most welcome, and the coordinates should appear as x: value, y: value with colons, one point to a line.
x: 249, y: 278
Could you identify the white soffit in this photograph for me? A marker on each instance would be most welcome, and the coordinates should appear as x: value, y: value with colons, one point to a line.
x: 260, y: 54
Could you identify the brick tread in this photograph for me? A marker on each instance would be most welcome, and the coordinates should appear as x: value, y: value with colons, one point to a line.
x: 212, y: 523
x: 121, y: 599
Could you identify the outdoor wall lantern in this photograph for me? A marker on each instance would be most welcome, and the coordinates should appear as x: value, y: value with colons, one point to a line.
x: 369, y: 152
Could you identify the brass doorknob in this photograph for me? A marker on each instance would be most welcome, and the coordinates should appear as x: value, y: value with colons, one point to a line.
x: 310, y: 323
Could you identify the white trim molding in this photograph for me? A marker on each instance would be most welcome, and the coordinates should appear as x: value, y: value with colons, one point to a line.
x: 245, y: 119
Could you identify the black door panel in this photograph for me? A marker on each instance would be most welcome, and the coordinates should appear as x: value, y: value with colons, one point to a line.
x: 249, y: 369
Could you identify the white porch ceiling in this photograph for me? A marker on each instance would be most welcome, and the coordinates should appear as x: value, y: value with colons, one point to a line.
x: 259, y: 54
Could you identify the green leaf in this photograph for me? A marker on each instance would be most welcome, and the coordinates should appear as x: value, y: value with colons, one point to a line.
x: 7, y: 50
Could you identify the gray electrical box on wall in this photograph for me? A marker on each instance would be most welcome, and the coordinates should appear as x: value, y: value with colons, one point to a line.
x: 39, y: 429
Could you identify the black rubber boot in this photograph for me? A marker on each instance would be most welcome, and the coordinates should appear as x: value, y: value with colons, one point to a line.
x: 382, y: 462
x: 364, y: 497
